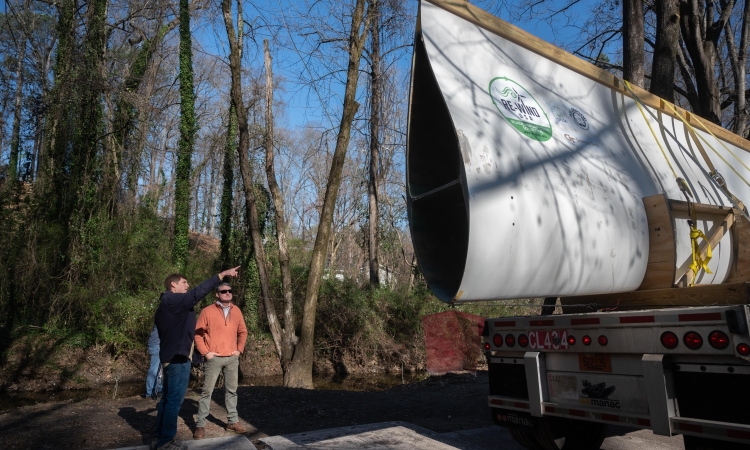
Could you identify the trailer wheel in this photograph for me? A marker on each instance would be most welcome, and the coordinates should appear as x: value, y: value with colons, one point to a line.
x: 556, y: 433
x: 698, y: 443
x: 526, y: 439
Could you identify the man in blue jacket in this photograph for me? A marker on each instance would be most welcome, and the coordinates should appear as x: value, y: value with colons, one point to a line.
x: 175, y: 322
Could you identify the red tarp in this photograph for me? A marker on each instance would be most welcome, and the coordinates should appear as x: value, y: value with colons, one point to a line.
x: 453, y: 341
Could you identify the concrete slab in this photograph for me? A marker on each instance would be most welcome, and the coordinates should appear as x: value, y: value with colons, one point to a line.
x: 236, y: 442
x: 486, y: 438
x: 618, y: 438
x: 376, y: 436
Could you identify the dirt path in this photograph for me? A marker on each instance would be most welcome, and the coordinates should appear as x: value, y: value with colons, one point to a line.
x: 441, y: 404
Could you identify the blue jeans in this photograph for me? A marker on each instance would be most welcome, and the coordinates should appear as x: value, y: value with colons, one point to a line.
x: 153, y: 384
x: 176, y: 377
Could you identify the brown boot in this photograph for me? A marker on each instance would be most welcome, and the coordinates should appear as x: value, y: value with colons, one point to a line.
x: 237, y: 428
x: 200, y: 433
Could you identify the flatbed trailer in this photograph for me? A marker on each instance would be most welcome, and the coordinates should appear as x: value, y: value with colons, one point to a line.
x: 674, y: 371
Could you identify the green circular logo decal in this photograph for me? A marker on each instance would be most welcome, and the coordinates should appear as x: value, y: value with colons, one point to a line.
x: 520, y: 109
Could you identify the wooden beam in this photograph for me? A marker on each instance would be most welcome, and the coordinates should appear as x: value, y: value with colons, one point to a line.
x: 700, y: 208
x: 483, y: 19
x: 700, y: 295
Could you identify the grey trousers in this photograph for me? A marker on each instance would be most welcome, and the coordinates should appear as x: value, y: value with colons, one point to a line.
x: 211, y: 369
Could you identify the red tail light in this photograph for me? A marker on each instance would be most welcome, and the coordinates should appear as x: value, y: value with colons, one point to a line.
x: 571, y: 340
x: 743, y: 349
x: 718, y: 339
x: 603, y: 340
x: 486, y: 345
x: 510, y: 340
x: 586, y: 340
x: 669, y: 340
x: 497, y: 340
x: 693, y: 340
x: 523, y: 340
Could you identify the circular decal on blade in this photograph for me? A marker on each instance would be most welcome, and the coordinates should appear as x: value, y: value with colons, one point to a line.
x: 578, y: 118
x: 520, y: 109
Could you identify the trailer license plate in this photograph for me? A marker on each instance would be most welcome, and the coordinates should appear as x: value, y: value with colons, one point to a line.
x: 595, y: 362
x: 546, y: 340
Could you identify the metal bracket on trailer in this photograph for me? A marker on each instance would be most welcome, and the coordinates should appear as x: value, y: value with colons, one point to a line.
x: 536, y: 381
x: 662, y: 402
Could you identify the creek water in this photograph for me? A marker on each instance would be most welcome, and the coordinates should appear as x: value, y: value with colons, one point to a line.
x: 371, y: 382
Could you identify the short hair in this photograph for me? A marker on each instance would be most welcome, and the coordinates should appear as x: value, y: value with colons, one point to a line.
x: 221, y: 285
x: 174, y: 278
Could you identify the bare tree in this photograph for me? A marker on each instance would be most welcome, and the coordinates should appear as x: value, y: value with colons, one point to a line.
x: 374, y: 176
x: 301, y: 366
x: 740, y: 123
x: 701, y: 31
x: 288, y: 338
x: 243, y: 147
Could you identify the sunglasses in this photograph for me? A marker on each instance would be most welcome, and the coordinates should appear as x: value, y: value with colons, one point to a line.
x: 225, y: 291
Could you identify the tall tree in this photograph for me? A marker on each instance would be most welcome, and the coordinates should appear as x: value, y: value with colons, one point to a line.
x: 632, y: 42
x: 248, y: 185
x: 374, y: 163
x: 187, y: 139
x: 665, y: 50
x: 289, y: 338
x: 301, y: 366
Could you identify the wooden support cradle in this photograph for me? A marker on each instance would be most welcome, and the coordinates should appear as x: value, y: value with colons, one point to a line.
x: 666, y: 282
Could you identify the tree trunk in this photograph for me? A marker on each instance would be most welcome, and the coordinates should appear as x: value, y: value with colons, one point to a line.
x: 300, y: 370
x: 289, y: 339
x: 225, y: 209
x: 375, y: 106
x: 632, y: 42
x: 665, y: 52
x: 738, y: 60
x: 243, y: 147
x: 691, y: 93
x: 187, y: 140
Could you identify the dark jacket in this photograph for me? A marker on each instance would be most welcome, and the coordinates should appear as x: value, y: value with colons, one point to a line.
x: 175, y: 319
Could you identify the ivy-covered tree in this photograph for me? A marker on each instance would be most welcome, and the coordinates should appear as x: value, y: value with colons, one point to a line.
x: 188, y: 129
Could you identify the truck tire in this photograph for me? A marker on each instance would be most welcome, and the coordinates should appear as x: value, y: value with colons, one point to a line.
x: 697, y: 443
x: 526, y: 439
x: 556, y: 433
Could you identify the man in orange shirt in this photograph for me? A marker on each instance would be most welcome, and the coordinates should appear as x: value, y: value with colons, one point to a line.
x: 220, y: 336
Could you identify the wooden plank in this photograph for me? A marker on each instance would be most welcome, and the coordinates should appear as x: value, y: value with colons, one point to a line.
x: 714, y: 235
x: 700, y: 208
x: 741, y: 237
x: 661, y: 247
x: 483, y: 19
x: 700, y: 295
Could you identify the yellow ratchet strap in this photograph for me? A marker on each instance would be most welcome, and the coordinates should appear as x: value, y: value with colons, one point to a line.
x: 698, y: 262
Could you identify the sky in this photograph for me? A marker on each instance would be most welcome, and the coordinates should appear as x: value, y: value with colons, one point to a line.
x: 303, y: 105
